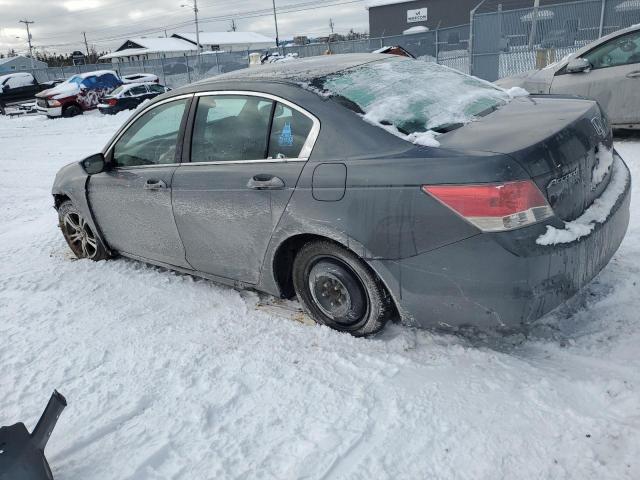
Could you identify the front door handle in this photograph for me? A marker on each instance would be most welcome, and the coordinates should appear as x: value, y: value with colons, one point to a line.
x: 635, y: 74
x: 265, y: 182
x: 154, y: 184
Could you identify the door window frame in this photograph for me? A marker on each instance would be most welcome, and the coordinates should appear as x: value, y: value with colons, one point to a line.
x: 305, y: 151
x: 108, y: 153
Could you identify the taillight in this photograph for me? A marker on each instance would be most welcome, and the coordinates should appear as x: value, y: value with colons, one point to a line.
x: 494, y: 207
x: 112, y: 102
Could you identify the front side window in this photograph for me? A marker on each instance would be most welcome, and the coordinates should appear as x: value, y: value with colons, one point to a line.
x: 289, y: 132
x: 152, y: 138
x: 410, y: 96
x: 230, y: 127
x: 619, y: 51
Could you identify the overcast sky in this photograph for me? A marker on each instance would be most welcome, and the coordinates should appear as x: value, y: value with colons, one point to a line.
x: 59, y: 23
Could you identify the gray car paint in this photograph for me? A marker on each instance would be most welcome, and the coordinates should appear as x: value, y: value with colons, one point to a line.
x: 616, y: 89
x: 414, y: 243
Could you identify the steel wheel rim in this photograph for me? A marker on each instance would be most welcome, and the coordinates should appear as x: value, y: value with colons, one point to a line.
x: 79, y: 235
x: 323, y: 276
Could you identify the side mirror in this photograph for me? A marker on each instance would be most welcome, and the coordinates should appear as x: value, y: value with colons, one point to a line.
x: 94, y: 164
x: 577, y: 65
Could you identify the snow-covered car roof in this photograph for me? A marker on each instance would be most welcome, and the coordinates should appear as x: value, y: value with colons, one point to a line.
x: 96, y: 73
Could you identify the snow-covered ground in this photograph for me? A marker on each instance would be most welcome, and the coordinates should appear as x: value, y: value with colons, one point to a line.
x: 168, y: 376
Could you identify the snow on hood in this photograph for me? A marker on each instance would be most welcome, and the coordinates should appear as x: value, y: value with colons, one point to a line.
x: 61, y: 90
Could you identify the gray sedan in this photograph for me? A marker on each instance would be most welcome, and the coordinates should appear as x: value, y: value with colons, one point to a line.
x: 607, y: 70
x: 372, y: 187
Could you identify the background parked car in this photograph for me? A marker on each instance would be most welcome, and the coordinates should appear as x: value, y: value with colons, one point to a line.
x: 129, y: 96
x: 607, y: 70
x: 140, y: 78
x: 19, y: 86
x: 77, y: 94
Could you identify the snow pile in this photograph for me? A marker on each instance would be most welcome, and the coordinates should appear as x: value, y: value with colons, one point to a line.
x: 515, y: 92
x: 172, y: 377
x: 598, y: 212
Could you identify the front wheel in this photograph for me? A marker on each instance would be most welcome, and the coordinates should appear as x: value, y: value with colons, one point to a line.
x: 71, y: 111
x: 338, y: 290
x: 79, y: 235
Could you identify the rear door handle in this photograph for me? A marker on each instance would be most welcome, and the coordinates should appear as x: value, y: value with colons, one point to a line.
x: 635, y: 74
x: 265, y: 182
x: 153, y: 184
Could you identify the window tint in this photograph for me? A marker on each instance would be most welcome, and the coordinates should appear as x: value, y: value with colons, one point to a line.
x: 623, y: 50
x: 152, y: 138
x: 289, y: 132
x: 230, y: 128
x: 139, y: 90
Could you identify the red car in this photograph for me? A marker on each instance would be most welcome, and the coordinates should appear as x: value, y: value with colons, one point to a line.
x: 77, y: 94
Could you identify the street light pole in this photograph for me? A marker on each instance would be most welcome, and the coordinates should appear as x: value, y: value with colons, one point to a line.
x: 275, y: 19
x: 27, y: 22
x: 195, y: 13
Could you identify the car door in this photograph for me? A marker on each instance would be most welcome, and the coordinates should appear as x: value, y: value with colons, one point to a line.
x: 613, y: 80
x: 138, y: 94
x: 131, y: 200
x: 247, y: 151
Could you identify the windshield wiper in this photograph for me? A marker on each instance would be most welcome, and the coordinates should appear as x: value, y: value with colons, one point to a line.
x: 447, y: 127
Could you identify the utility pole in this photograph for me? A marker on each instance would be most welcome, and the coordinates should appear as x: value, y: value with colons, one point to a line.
x: 534, y: 23
x: 275, y: 19
x: 195, y: 13
x: 27, y: 22
x: 331, y: 24
x: 86, y: 45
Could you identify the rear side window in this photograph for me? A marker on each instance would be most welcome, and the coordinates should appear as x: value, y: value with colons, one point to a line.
x: 156, y: 88
x: 139, y: 90
x: 289, y: 132
x: 228, y: 128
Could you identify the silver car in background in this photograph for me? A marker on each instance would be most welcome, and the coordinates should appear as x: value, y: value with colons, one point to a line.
x: 607, y: 70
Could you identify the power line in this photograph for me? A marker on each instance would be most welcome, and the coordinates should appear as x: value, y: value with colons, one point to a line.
x: 287, y: 8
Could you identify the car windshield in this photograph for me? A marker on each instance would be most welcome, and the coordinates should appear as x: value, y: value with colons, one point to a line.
x: 412, y: 95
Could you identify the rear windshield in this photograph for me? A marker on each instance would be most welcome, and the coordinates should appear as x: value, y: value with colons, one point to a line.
x: 413, y: 96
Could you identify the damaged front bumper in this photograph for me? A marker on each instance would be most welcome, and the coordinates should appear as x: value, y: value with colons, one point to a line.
x: 502, y: 280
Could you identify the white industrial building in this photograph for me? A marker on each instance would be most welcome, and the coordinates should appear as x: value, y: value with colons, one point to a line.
x: 148, y: 48
x: 19, y: 63
x: 228, y: 41
x: 179, y: 44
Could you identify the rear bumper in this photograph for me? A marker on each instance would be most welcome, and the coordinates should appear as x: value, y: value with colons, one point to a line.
x: 502, y: 280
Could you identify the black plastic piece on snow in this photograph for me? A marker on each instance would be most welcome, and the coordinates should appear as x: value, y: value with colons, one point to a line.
x: 22, y: 454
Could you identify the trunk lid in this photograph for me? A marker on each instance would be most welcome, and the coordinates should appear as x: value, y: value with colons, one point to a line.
x: 565, y: 144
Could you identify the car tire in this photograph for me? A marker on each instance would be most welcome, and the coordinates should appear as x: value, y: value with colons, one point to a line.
x: 71, y: 111
x: 80, y: 237
x: 337, y: 289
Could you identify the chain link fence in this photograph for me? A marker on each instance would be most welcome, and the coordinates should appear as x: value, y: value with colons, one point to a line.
x: 509, y: 42
x: 502, y: 43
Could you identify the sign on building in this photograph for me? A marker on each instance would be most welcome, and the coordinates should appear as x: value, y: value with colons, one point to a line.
x: 417, y: 15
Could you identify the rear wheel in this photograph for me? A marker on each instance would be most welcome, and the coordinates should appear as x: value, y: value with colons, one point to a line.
x: 71, y: 111
x: 78, y: 233
x: 338, y: 290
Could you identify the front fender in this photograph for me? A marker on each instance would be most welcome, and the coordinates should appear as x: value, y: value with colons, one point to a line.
x: 71, y: 181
